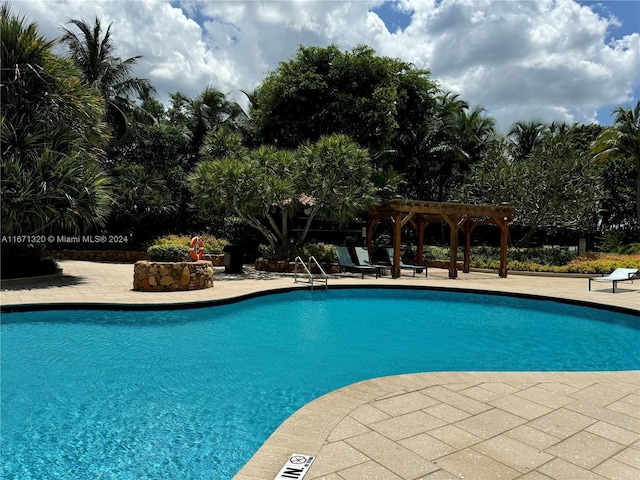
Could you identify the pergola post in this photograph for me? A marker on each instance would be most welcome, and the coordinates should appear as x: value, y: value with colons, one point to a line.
x: 504, y: 239
x: 468, y: 228
x: 452, y: 220
x: 370, y: 228
x: 397, y: 232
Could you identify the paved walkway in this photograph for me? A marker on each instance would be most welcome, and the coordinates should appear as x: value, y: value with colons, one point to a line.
x: 432, y: 426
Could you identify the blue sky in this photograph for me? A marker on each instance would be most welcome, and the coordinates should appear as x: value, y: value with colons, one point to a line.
x: 549, y: 60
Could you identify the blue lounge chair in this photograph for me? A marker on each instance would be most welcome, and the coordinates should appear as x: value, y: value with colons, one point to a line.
x: 618, y: 275
x: 347, y: 265
x: 410, y: 266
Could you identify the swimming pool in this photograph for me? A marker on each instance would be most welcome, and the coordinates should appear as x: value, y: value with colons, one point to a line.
x: 192, y: 394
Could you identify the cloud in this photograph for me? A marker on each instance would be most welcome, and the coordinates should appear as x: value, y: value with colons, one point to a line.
x: 543, y: 59
x: 547, y: 60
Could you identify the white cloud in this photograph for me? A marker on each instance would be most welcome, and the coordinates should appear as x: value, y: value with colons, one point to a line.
x: 521, y: 59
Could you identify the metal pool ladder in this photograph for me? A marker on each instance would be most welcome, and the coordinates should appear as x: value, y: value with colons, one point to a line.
x: 307, y: 269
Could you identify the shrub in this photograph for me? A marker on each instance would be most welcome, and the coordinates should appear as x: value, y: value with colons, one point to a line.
x: 212, y: 245
x: 169, y: 253
x: 25, y: 260
x: 631, y: 249
x: 540, y: 256
x: 324, y: 252
x: 588, y: 264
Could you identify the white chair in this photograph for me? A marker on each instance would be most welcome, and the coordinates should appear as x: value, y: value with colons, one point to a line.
x: 618, y: 275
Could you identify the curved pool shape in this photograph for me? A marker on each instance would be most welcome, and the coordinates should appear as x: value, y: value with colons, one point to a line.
x: 192, y: 394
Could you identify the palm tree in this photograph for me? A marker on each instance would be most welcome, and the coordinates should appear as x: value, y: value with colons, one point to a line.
x: 476, y: 130
x: 623, y: 138
x: 208, y: 111
x: 525, y: 137
x: 95, y: 55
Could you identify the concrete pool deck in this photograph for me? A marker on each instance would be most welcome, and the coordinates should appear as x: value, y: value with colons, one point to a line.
x: 432, y: 426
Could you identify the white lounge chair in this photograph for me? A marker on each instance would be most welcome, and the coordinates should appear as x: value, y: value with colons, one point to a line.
x: 618, y: 275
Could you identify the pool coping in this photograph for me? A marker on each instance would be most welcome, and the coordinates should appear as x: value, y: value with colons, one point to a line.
x: 25, y: 307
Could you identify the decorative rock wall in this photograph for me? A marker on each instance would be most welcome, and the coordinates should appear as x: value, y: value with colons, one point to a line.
x: 171, y: 276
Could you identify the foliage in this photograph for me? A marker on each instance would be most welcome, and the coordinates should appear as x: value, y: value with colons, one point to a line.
x: 95, y: 55
x: 157, y: 158
x: 324, y: 90
x: 620, y: 241
x: 169, y: 253
x: 141, y: 199
x: 525, y: 137
x: 212, y: 245
x: 45, y: 103
x: 630, y: 249
x: 323, y: 252
x: 205, y: 113
x: 329, y: 179
x: 55, y: 192
x: 51, y: 132
x: 543, y: 256
x: 556, y: 187
x: 623, y: 139
x: 553, y: 260
x: 435, y: 153
x: 619, y: 185
x: 600, y: 263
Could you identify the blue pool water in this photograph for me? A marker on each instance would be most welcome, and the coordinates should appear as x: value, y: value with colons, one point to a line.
x: 191, y: 394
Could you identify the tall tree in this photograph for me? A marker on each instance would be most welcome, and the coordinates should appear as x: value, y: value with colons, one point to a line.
x: 204, y: 113
x: 556, y: 188
x: 96, y: 56
x: 623, y: 139
x: 328, y: 179
x: 51, y: 134
x: 525, y: 136
x: 322, y: 91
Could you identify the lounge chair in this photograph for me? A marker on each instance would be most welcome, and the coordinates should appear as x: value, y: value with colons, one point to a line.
x: 364, y: 260
x: 618, y: 275
x: 410, y: 266
x: 347, y: 265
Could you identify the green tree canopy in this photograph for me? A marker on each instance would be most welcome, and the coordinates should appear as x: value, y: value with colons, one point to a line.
x: 324, y: 90
x: 51, y: 134
x: 555, y: 187
x: 265, y: 187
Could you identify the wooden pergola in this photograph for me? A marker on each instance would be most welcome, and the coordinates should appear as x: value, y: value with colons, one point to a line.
x: 459, y: 216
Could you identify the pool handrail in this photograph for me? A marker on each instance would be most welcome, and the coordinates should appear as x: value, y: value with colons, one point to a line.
x: 308, y: 270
